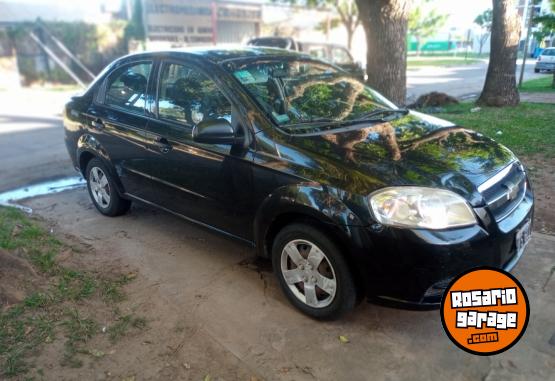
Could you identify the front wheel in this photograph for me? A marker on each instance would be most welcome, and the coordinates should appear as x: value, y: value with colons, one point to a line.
x: 536, y: 70
x: 102, y: 190
x: 312, y: 272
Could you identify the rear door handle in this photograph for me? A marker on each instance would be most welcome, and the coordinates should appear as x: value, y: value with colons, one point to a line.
x: 163, y: 145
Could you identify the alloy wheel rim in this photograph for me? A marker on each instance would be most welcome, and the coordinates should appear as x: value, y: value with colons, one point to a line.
x: 308, y: 273
x: 100, y: 187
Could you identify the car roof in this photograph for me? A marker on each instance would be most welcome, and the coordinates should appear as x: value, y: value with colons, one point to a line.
x: 219, y: 55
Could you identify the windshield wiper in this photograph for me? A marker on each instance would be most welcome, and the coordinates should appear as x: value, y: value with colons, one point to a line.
x: 380, y: 115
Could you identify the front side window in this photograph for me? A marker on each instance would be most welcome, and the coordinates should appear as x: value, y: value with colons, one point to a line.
x: 126, y: 87
x: 297, y: 91
x: 188, y: 96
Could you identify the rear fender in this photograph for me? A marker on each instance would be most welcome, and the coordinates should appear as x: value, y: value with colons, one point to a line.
x: 88, y: 144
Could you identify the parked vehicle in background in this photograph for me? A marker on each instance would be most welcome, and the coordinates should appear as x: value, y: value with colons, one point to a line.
x: 546, y: 61
x: 334, y: 53
x: 346, y: 193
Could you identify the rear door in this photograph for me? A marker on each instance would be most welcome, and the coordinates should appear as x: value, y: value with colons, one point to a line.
x: 118, y: 122
x: 209, y: 183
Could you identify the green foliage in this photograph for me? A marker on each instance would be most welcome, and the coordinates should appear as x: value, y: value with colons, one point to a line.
x: 424, y: 22
x: 545, y: 26
x: 346, y: 10
x: 484, y: 20
x: 94, y: 45
x: 135, y: 29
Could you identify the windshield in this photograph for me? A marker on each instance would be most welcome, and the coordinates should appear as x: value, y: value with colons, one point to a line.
x: 303, y: 91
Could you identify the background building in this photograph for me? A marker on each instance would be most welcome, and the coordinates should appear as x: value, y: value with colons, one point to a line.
x: 200, y: 22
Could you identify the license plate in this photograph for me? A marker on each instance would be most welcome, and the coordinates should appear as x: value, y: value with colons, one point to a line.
x: 523, y: 236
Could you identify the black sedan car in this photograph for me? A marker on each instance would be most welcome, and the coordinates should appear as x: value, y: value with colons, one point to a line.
x: 349, y: 195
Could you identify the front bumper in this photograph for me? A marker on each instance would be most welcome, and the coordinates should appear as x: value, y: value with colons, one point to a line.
x: 545, y: 65
x: 414, y: 266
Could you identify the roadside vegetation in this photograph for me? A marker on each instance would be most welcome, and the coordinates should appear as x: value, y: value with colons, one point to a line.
x: 439, y: 61
x: 538, y: 85
x: 62, y: 305
x: 526, y: 129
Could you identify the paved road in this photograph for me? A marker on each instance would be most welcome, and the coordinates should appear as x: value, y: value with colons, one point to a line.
x: 31, y: 136
x: 456, y: 80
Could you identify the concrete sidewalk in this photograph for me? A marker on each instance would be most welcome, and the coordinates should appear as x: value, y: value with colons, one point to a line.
x: 538, y: 97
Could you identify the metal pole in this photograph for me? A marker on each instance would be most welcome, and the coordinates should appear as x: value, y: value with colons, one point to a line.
x: 214, y: 20
x: 57, y: 60
x: 66, y: 51
x: 527, y: 41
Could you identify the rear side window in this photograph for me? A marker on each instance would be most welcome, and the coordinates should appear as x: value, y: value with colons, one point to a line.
x: 340, y: 56
x: 188, y: 96
x: 318, y: 52
x: 126, y: 87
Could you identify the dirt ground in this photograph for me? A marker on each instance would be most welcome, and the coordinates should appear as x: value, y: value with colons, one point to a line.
x: 212, y: 309
x: 542, y: 177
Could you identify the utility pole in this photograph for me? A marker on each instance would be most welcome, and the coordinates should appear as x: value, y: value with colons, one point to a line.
x: 527, y: 41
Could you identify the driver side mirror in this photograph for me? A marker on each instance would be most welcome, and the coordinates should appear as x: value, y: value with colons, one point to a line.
x: 214, y: 131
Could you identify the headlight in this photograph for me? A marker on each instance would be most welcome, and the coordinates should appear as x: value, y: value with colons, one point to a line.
x: 418, y: 207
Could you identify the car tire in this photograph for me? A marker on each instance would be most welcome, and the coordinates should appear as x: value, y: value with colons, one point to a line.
x: 102, y: 190
x: 320, y: 268
x: 536, y: 70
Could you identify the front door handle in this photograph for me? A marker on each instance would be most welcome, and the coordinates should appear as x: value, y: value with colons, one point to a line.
x: 98, y: 124
x: 163, y: 145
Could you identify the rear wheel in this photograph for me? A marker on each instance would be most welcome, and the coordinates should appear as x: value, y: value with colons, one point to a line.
x: 536, y: 70
x: 102, y: 190
x: 312, y: 272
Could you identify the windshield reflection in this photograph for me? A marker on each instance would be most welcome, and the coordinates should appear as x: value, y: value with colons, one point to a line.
x: 295, y: 92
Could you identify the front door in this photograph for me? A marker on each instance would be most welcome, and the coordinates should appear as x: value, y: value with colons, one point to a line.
x: 211, y: 184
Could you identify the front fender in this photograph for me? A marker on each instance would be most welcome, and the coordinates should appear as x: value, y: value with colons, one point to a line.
x: 308, y: 200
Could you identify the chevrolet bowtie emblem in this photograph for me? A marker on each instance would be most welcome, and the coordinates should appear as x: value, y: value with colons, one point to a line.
x: 512, y: 190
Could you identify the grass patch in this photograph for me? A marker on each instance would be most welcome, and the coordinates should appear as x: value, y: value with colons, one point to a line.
x: 538, y: 85
x: 439, y: 61
x: 58, y: 307
x: 124, y: 324
x: 17, y: 231
x: 526, y: 129
x: 79, y: 330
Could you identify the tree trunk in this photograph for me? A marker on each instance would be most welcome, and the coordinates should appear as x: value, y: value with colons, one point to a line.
x: 553, y: 82
x: 350, y: 33
x: 500, y: 86
x: 385, y: 24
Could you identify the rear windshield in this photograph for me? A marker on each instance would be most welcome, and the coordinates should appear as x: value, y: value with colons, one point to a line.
x: 271, y: 42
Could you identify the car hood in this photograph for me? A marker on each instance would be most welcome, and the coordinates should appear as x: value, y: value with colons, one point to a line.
x: 416, y: 149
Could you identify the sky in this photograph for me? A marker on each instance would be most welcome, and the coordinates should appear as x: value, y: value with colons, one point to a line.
x: 461, y: 12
